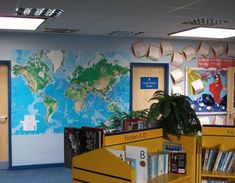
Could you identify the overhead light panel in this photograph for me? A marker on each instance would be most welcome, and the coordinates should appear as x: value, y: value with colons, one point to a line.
x: 206, y: 32
x: 125, y: 33
x: 20, y: 23
x: 38, y: 12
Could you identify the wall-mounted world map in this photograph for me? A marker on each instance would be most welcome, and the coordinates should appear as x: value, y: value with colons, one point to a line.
x: 52, y: 89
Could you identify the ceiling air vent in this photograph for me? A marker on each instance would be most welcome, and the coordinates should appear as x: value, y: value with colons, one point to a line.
x: 58, y: 30
x: 125, y: 33
x: 206, y: 21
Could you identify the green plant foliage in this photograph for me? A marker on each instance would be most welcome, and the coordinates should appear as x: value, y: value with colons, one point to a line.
x: 174, y: 113
x: 115, y: 120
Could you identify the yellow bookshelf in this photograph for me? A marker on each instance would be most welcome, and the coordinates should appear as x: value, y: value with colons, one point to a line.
x: 214, y: 136
x: 101, y: 165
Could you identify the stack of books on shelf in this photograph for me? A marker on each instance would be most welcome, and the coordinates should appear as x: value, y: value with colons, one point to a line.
x: 80, y: 140
x: 171, y: 160
x: 216, y: 160
x: 215, y: 181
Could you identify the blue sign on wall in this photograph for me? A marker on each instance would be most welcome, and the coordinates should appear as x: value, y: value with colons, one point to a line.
x: 148, y: 82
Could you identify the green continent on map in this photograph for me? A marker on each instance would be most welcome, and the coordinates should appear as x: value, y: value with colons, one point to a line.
x: 51, y: 106
x: 35, y: 72
x: 99, y: 78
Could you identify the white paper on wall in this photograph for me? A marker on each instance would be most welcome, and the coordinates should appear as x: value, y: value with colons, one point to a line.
x: 154, y: 52
x: 177, y: 59
x: 189, y: 53
x: 166, y: 48
x: 230, y: 51
x: 29, y: 123
x: 139, y: 49
x: 217, y: 49
x: 204, y: 120
x: 203, y: 49
x: 177, y: 89
x: 177, y: 75
x: 197, y: 86
x: 218, y: 120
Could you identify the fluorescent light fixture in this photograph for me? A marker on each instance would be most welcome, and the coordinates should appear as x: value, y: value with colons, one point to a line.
x: 206, y: 32
x: 39, y: 12
x: 20, y: 23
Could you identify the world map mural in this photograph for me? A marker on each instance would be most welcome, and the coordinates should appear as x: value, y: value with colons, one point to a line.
x: 52, y: 89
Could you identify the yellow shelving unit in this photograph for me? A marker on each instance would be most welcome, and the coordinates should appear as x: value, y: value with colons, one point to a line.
x: 101, y: 165
x: 214, y: 136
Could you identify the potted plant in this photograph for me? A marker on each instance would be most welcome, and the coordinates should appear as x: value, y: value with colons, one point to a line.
x: 120, y: 121
x: 174, y: 113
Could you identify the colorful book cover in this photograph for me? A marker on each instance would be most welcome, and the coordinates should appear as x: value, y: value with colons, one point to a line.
x: 178, y: 162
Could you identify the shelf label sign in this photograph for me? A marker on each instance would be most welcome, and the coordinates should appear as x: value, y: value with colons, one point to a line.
x: 148, y: 82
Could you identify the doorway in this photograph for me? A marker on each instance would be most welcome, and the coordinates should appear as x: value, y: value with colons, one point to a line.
x: 4, y: 113
x: 231, y: 96
x: 146, y: 78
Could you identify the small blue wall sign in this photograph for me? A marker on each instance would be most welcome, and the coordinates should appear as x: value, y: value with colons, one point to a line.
x: 148, y: 82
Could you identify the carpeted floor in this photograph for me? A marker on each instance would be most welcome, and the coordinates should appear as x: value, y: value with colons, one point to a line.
x: 40, y: 175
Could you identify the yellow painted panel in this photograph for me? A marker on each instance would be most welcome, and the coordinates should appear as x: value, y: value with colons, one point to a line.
x: 101, y: 160
x: 218, y: 131
x: 93, y: 177
x: 171, y: 178
x: 132, y: 137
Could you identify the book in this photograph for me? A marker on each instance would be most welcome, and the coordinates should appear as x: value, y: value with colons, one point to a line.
x: 177, y: 76
x: 189, y: 53
x: 177, y: 59
x: 154, y: 52
x: 218, y: 120
x: 91, y: 138
x: 230, y: 50
x: 72, y: 145
x: 119, y: 153
x: 166, y: 48
x: 176, y: 89
x: 197, y: 86
x: 217, y: 49
x: 139, y: 154
x: 152, y: 165
x: 203, y: 49
x: 178, y: 162
x: 204, y: 120
x: 139, y: 49
x: 206, y: 156
x: 215, y: 167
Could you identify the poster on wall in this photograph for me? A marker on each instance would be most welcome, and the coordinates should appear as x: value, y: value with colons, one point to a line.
x: 206, y: 89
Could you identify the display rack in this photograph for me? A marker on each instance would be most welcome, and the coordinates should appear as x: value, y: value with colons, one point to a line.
x: 214, y: 136
x: 101, y: 165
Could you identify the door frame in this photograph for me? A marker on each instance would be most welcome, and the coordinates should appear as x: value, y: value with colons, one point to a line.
x: 166, y: 76
x: 8, y: 64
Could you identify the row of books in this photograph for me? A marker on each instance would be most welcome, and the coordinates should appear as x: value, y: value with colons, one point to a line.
x: 80, y: 140
x: 216, y: 160
x: 150, y: 165
x: 215, y: 181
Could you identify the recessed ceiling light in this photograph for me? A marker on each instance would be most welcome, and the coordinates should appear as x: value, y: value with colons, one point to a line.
x: 206, y: 32
x: 125, y: 33
x: 20, y: 23
x: 59, y: 30
x: 38, y: 12
x: 206, y: 21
